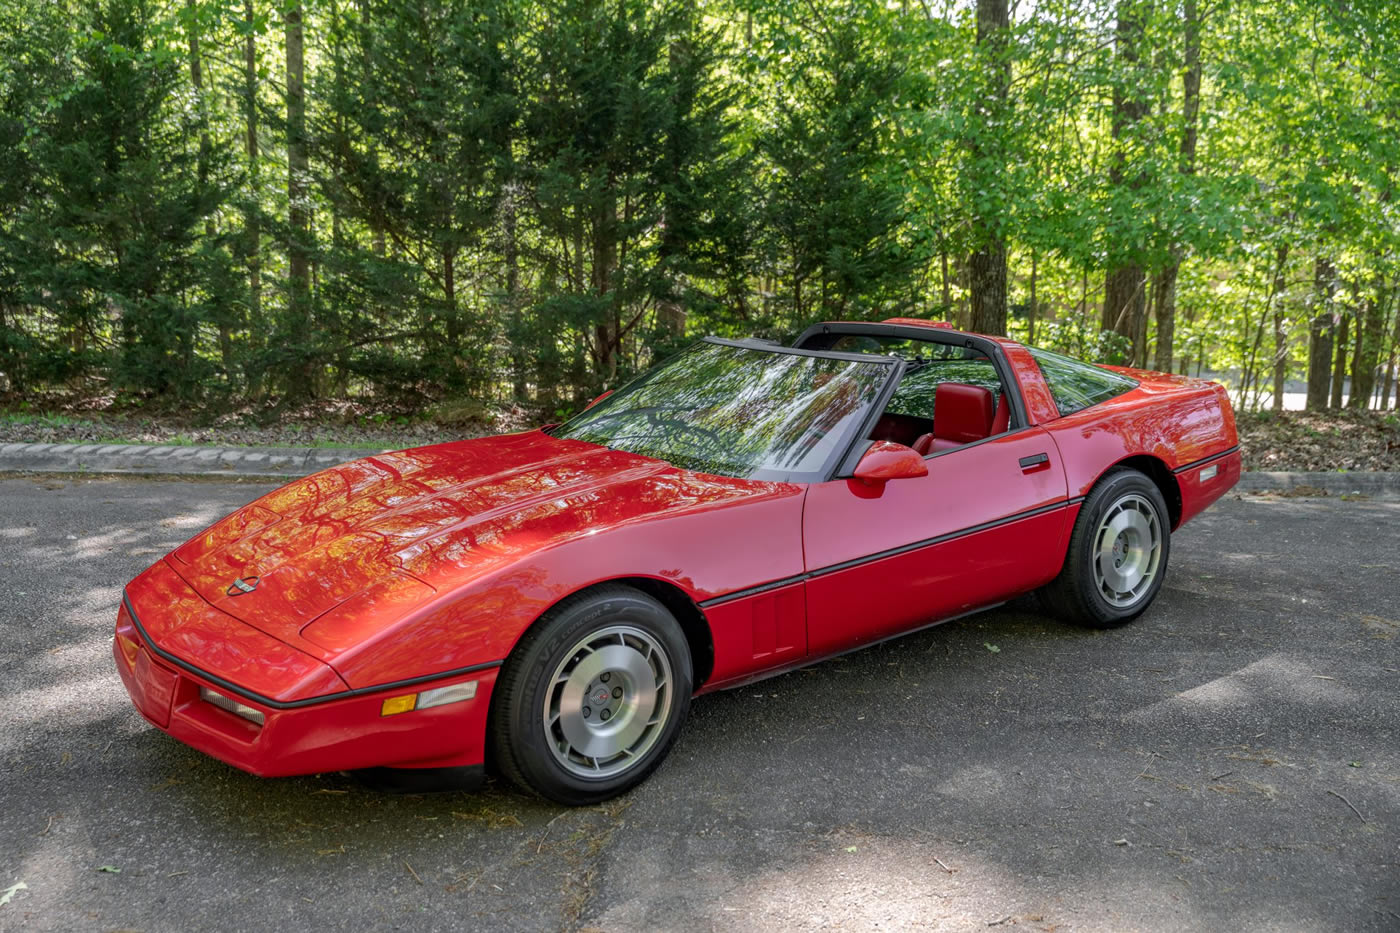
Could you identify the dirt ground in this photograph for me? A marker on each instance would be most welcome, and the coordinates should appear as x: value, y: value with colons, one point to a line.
x: 1305, y: 442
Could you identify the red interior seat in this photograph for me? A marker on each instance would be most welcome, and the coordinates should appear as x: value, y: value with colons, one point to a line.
x: 1001, y: 423
x: 961, y: 414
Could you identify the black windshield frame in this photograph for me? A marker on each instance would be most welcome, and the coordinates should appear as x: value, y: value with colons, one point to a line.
x: 856, y: 429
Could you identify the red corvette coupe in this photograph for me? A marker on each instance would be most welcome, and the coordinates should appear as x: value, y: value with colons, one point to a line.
x: 550, y: 601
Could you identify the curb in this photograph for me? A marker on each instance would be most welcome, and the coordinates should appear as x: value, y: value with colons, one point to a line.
x: 1379, y: 484
x: 173, y: 460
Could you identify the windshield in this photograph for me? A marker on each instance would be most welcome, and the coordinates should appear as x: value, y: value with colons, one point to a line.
x: 742, y: 411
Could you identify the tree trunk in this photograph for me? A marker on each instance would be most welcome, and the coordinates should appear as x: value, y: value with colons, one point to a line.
x: 1141, y: 351
x: 1030, y: 304
x: 679, y: 210
x: 1164, y: 301
x: 670, y: 314
x: 252, y: 235
x: 1390, y: 369
x: 1370, y: 334
x: 1165, y: 297
x: 298, y: 209
x: 1383, y: 398
x: 1251, y: 373
x: 987, y: 271
x: 1190, y: 86
x: 1124, y: 298
x: 1280, y: 332
x: 10, y: 364
x: 947, y: 310
x: 1339, y: 369
x: 987, y: 264
x: 187, y: 329
x: 511, y: 244
x: 1084, y: 297
x: 1353, y: 361
x: 1320, y: 333
x: 197, y: 80
x: 606, y: 331
x: 449, y: 295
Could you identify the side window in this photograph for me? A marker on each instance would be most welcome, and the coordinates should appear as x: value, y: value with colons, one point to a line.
x: 975, y: 405
x: 1077, y: 385
x: 915, y: 393
x: 914, y: 416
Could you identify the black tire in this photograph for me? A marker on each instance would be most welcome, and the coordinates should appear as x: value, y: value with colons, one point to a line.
x: 605, y: 623
x: 1081, y: 593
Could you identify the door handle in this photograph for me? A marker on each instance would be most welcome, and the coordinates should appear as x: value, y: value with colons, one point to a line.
x: 1033, y: 461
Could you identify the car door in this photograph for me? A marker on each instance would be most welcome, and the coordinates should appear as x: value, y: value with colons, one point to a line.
x: 988, y: 522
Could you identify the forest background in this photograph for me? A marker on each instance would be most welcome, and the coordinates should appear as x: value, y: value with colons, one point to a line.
x: 456, y: 209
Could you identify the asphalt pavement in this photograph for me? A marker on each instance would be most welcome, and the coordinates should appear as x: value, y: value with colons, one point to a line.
x: 1228, y: 762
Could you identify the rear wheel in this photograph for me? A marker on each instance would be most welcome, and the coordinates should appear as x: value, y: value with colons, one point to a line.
x: 1117, y: 554
x: 590, y: 701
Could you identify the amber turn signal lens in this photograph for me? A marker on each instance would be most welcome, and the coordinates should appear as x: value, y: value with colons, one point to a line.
x: 129, y: 649
x: 404, y: 704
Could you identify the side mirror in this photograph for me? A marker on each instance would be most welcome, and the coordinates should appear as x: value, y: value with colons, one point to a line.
x: 597, y: 400
x: 886, y: 460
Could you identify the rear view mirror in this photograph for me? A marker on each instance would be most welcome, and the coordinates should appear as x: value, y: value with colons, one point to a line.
x: 886, y: 460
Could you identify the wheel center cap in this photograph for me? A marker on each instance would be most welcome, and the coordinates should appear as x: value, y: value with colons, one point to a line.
x: 601, y: 695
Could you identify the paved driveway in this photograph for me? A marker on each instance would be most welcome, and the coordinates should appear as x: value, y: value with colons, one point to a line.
x: 1229, y: 762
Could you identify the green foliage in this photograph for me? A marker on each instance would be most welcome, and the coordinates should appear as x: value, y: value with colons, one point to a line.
x: 832, y: 212
x: 521, y: 202
x: 103, y: 244
x: 1076, y: 338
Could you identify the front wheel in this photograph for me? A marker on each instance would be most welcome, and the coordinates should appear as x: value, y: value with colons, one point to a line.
x: 590, y: 701
x: 1117, y: 554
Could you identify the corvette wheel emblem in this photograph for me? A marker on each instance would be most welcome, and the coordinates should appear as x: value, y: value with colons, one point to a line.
x: 242, y: 585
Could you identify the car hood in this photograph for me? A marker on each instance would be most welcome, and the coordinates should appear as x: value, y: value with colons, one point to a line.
x: 400, y: 527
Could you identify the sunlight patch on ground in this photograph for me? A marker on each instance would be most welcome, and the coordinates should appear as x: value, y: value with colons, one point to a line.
x: 1272, y: 680
x: 975, y: 784
x: 50, y: 870
x: 67, y: 702
x: 858, y: 881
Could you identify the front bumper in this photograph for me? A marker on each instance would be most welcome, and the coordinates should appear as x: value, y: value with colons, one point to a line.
x: 301, y: 737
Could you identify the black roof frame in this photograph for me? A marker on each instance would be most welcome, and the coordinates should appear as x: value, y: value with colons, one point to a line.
x: 940, y: 335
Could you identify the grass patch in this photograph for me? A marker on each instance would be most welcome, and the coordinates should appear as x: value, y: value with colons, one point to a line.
x: 38, y: 419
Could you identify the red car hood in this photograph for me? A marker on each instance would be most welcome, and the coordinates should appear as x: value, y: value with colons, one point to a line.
x: 401, y: 526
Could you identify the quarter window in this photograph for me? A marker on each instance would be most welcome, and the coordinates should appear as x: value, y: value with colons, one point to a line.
x: 1077, y: 385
